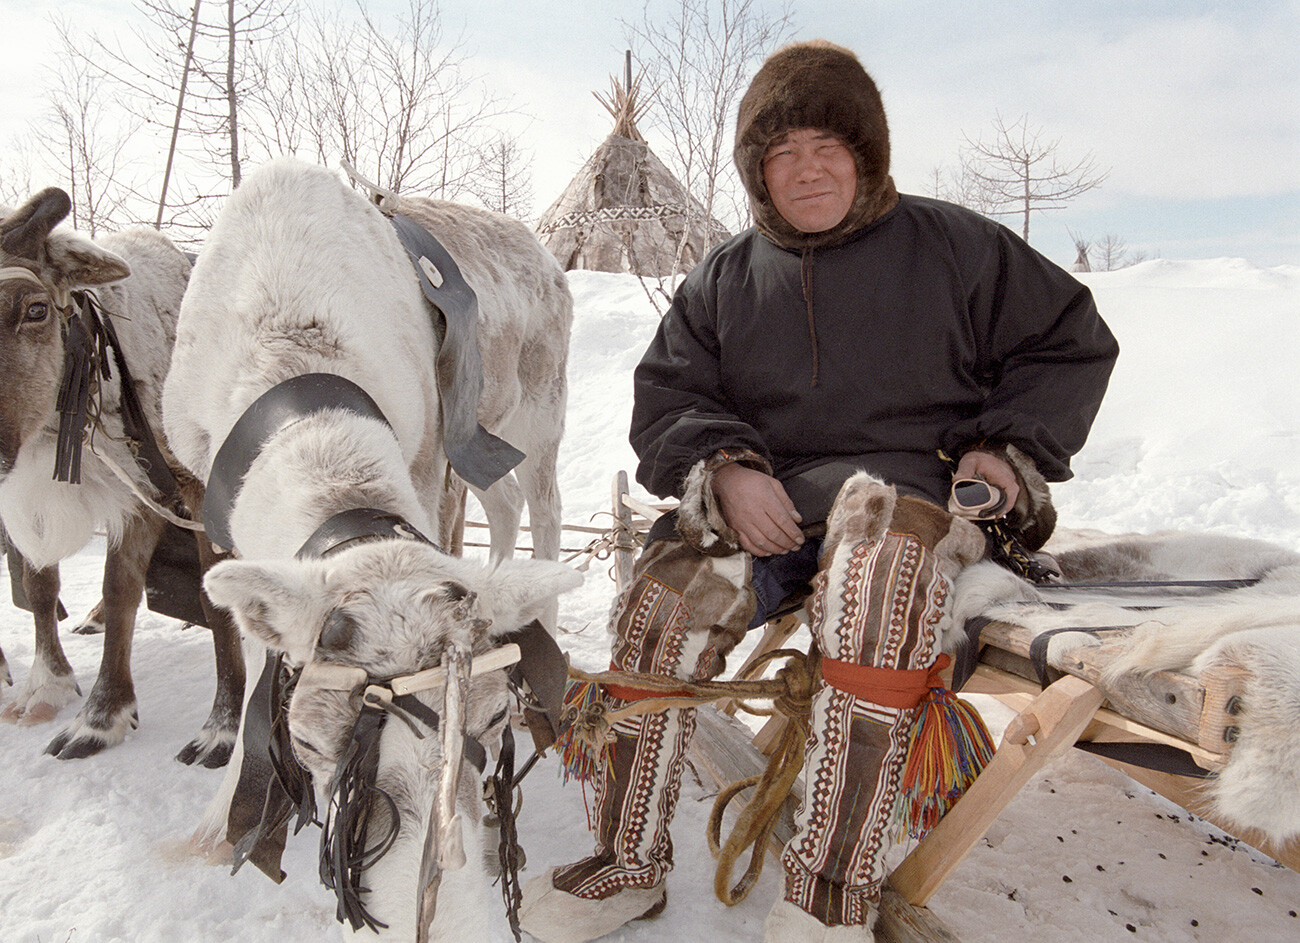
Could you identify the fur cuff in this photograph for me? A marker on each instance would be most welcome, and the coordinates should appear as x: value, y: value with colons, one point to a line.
x: 699, y: 519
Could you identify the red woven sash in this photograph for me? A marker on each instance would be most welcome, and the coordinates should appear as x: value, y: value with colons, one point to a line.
x: 889, y: 687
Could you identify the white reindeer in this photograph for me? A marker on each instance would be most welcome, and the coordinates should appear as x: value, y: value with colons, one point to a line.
x: 139, y: 277
x: 300, y: 275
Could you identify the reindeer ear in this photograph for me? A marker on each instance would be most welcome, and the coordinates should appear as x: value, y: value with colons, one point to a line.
x: 82, y: 262
x: 24, y: 231
x: 518, y: 590
x: 283, y: 603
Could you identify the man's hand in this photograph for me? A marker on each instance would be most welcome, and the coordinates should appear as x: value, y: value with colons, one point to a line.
x: 757, y: 508
x: 995, y: 471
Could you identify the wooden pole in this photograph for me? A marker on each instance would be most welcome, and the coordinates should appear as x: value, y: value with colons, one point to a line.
x: 176, y: 121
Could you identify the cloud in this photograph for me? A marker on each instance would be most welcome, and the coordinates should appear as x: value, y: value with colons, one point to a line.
x: 1193, y: 100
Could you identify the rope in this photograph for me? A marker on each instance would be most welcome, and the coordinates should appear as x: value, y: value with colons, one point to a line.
x: 758, y: 818
x: 144, y: 499
x: 679, y: 693
x: 790, y: 692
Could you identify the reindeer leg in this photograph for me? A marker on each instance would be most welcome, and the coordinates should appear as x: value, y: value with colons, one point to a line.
x: 110, y: 711
x: 451, y: 517
x: 213, y: 746
x: 503, y: 504
x: 50, y: 684
x: 537, y: 478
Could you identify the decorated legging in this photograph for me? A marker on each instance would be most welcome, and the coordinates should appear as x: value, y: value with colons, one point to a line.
x: 877, y: 602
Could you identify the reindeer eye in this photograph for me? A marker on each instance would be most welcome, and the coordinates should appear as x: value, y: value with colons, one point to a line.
x: 336, y: 634
x: 36, y: 313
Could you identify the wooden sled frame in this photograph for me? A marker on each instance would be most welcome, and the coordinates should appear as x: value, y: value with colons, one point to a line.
x: 1196, y: 715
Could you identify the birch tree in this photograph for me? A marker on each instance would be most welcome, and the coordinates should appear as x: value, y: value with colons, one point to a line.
x: 1019, y: 171
x: 87, y: 137
x: 399, y: 101
x: 190, y: 61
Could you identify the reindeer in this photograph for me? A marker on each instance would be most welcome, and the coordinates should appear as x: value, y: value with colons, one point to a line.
x: 140, y: 277
x: 303, y: 284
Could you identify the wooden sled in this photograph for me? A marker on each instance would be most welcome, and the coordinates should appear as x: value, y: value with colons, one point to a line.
x: 1162, y: 710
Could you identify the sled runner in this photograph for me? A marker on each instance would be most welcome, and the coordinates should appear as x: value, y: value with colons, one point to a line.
x: 1171, y: 731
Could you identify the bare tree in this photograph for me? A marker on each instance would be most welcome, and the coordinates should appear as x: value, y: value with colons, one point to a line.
x: 1114, y: 254
x: 87, y: 138
x: 1020, y: 172
x: 700, y: 62
x: 960, y: 185
x: 400, y: 103
x: 190, y: 61
x: 16, y: 172
x: 505, y: 182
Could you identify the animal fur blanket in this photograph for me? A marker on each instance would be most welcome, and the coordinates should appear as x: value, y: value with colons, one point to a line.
x: 1255, y: 627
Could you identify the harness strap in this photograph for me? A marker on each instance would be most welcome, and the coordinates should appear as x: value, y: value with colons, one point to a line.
x: 500, y: 793
x: 134, y: 422
x: 1156, y: 584
x: 1038, y: 648
x: 345, y: 845
x: 271, y: 413
x: 1161, y: 757
x: 80, y: 364
x: 544, y: 671
x: 890, y: 687
x: 475, y: 454
x: 257, y: 823
x: 359, y: 526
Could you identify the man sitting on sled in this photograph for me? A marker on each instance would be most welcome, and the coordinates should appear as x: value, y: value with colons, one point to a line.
x: 852, y: 328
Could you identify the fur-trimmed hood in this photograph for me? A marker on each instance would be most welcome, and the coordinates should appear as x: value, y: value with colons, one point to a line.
x: 815, y: 85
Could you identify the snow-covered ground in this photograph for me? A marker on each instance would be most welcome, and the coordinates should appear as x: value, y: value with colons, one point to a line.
x: 1200, y: 430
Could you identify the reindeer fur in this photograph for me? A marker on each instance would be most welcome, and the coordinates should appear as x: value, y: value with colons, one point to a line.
x: 1256, y: 627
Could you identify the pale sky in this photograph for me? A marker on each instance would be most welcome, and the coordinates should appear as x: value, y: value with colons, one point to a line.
x: 1193, y: 106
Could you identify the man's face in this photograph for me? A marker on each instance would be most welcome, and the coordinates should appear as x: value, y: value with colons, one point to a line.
x: 811, y: 177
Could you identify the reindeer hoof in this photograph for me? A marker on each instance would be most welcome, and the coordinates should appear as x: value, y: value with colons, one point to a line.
x: 88, y: 628
x: 208, y: 752
x: 85, y: 738
x: 67, y: 747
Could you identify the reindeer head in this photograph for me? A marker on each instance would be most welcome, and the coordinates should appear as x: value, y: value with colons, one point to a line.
x: 39, y: 267
x: 384, y: 610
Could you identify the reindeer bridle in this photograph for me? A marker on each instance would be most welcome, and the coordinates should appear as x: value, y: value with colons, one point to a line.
x: 347, y: 847
x: 346, y: 850
x: 89, y: 341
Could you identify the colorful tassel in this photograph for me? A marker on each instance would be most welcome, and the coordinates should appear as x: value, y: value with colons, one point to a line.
x: 585, y: 740
x: 948, y: 747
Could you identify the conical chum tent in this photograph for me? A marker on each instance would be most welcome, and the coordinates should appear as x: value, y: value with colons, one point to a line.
x: 624, y: 211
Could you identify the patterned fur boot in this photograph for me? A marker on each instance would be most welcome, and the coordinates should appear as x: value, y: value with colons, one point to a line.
x: 877, y: 615
x: 680, y: 617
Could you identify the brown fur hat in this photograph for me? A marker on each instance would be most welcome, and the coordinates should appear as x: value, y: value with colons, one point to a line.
x: 815, y: 85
